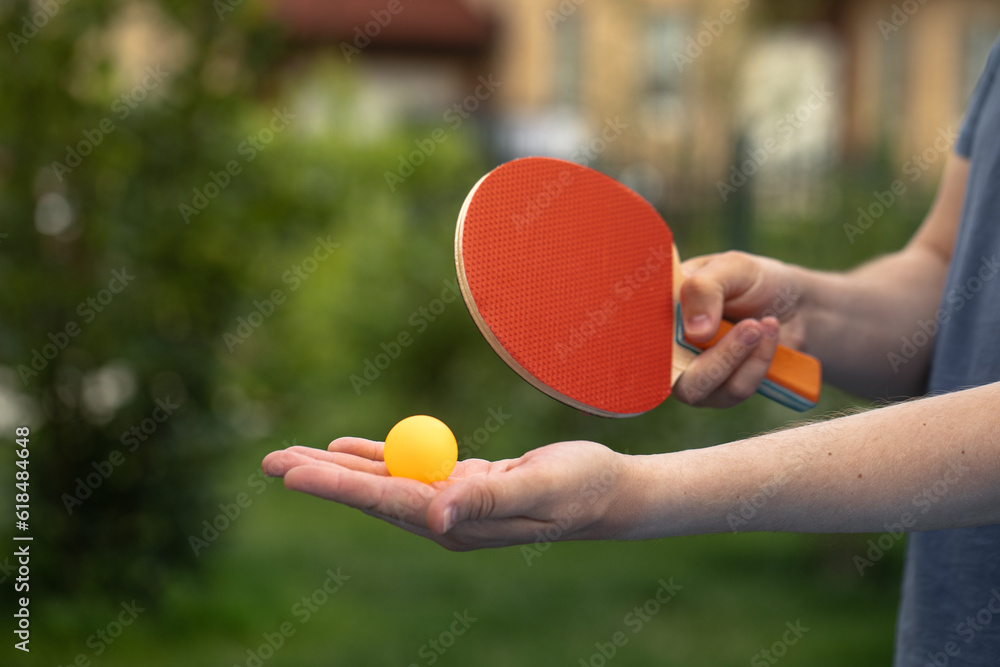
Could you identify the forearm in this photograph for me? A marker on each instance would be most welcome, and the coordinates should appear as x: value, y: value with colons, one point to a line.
x: 927, y: 464
x: 856, y: 323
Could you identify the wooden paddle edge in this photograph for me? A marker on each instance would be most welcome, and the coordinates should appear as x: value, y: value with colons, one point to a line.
x: 493, y: 341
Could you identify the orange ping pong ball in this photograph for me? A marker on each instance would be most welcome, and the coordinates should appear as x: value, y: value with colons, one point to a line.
x: 421, y: 448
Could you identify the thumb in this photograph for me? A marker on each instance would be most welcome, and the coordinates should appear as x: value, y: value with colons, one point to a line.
x: 485, y: 497
x: 701, y: 306
x: 709, y: 283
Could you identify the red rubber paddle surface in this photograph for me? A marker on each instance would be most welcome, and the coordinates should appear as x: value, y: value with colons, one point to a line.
x: 571, y: 274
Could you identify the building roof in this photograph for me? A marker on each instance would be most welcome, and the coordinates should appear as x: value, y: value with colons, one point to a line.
x: 424, y: 25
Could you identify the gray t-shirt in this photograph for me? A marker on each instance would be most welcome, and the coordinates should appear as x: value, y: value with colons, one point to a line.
x: 950, y: 608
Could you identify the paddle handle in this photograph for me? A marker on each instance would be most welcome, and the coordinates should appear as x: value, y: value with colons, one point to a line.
x: 794, y: 378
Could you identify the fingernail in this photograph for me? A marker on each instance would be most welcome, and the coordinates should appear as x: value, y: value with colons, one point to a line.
x: 750, y: 336
x: 771, y: 327
x: 449, y: 518
x: 698, y: 324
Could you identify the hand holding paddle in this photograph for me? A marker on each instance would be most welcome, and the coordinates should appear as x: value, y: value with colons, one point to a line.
x: 574, y: 281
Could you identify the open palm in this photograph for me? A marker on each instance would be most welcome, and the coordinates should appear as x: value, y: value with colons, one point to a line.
x: 562, y: 489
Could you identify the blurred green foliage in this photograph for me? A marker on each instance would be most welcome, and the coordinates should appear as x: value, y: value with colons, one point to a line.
x: 103, y: 174
x: 355, y: 265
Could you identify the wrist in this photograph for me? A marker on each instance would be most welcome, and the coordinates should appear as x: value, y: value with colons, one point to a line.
x: 655, y: 499
x: 799, y: 297
x: 696, y: 492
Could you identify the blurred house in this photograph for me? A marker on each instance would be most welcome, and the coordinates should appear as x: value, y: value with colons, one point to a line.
x: 911, y: 68
x: 899, y: 74
x: 413, y: 59
x: 681, y: 99
x: 643, y: 86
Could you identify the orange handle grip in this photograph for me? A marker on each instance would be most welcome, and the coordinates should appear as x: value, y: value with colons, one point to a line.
x: 794, y: 378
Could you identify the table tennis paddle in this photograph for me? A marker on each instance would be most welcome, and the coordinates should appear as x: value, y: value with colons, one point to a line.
x: 574, y: 280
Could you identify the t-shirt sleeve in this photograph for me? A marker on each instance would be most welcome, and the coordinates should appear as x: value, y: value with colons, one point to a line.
x: 965, y: 138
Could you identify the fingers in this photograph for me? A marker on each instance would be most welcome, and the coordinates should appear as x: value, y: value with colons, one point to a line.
x: 732, y: 370
x: 406, y: 503
x: 558, y: 489
x: 353, y: 453
x: 710, y: 282
x: 744, y: 288
x: 512, y: 493
x: 368, y: 449
x: 401, y: 499
x: 278, y: 463
x: 470, y: 535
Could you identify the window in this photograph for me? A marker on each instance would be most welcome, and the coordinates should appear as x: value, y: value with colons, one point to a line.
x: 665, y: 62
x: 979, y: 38
x: 894, y: 80
x: 566, y: 70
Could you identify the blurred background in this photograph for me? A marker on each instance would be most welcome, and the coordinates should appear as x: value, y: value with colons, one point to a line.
x: 216, y: 218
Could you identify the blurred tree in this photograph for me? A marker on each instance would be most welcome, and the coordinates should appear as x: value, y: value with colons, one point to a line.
x: 161, y: 179
x: 162, y: 174
x: 114, y: 116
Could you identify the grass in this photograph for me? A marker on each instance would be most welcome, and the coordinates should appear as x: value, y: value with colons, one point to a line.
x: 737, y: 592
x: 737, y: 595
